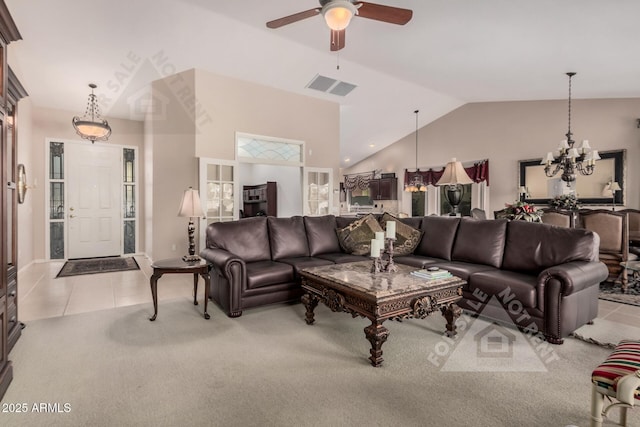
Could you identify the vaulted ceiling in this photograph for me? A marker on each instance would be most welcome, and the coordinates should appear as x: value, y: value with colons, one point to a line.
x: 452, y: 52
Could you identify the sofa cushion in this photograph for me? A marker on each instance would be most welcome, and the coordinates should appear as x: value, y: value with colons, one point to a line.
x: 532, y: 247
x: 407, y: 237
x: 413, y: 222
x: 341, y: 257
x: 247, y: 238
x: 356, y: 237
x: 288, y: 238
x: 516, y: 287
x: 266, y: 273
x: 463, y: 270
x: 480, y: 241
x: 439, y: 236
x: 301, y: 263
x: 321, y: 234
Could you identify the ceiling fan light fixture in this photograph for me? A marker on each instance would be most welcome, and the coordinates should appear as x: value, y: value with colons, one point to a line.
x: 337, y: 14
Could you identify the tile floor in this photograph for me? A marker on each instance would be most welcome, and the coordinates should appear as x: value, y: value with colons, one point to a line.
x: 42, y: 295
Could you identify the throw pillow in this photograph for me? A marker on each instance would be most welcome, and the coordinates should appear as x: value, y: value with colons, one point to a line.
x: 407, y: 237
x: 356, y: 237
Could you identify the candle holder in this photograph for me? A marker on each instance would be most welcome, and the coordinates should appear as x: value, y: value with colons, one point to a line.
x: 390, y: 267
x: 376, y: 265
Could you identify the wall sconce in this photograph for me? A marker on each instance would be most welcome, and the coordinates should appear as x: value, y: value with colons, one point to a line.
x: 22, y: 183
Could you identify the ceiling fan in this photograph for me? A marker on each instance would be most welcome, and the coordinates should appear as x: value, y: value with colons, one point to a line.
x: 338, y: 14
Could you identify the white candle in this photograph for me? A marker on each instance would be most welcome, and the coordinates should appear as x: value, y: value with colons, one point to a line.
x: 391, y: 229
x: 380, y: 237
x: 375, y: 248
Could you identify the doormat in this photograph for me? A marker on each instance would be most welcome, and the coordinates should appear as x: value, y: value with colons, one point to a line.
x: 613, y: 292
x: 97, y: 265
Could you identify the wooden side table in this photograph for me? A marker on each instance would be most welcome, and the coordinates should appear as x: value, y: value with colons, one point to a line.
x: 177, y: 265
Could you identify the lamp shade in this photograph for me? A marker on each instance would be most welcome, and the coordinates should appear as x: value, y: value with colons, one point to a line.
x: 615, y: 186
x: 338, y: 14
x: 454, y: 173
x: 190, y: 205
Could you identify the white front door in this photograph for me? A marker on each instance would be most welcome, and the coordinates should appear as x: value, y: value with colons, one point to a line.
x: 94, y: 193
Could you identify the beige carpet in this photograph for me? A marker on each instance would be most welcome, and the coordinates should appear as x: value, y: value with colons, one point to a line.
x: 268, y: 368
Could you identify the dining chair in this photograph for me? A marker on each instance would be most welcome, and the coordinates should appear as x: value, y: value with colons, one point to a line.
x: 613, y: 229
x: 634, y: 230
x: 561, y: 218
x: 478, y: 213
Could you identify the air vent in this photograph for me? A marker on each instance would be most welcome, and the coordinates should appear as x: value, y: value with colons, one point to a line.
x: 329, y: 85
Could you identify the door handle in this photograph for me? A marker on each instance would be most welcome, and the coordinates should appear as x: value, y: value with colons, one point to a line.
x: 70, y: 209
x: 72, y: 216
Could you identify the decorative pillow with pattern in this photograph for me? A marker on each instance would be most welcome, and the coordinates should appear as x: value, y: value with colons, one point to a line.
x: 356, y: 237
x: 407, y: 237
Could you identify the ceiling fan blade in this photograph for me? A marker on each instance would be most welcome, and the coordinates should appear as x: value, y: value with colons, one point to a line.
x: 277, y: 23
x: 393, y: 15
x: 337, y: 40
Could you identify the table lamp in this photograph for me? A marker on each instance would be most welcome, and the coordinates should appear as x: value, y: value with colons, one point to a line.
x: 454, y: 176
x: 191, y: 207
x: 610, y: 190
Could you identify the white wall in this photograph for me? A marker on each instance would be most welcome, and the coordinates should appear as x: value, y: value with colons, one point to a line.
x: 202, y: 112
x: 506, y: 132
x: 34, y: 127
x: 25, y: 210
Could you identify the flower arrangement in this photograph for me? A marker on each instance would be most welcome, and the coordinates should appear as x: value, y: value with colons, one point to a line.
x: 521, y: 211
x: 565, y: 201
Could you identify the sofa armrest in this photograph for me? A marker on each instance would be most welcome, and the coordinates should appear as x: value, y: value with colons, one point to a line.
x: 574, y: 276
x: 557, y: 282
x: 223, y: 261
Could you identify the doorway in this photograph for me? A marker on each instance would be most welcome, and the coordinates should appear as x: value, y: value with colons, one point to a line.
x: 92, y: 192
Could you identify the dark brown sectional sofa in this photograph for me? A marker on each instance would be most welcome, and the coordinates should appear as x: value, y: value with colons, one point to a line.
x: 545, y: 278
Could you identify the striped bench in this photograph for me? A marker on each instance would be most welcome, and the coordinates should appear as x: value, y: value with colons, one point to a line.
x: 617, y: 377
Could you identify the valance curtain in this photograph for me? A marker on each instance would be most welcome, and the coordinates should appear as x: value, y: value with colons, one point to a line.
x: 357, y: 181
x: 478, y: 172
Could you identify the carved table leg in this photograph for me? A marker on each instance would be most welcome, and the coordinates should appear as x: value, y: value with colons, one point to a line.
x: 377, y: 335
x: 154, y: 294
x: 310, y: 301
x: 195, y: 288
x: 451, y: 312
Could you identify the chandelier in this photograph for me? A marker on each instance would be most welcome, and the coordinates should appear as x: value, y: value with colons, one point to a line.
x: 416, y: 183
x: 92, y: 126
x: 570, y: 160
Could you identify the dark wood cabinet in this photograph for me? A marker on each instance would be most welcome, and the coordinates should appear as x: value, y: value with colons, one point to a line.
x: 259, y: 200
x: 384, y: 189
x: 10, y: 92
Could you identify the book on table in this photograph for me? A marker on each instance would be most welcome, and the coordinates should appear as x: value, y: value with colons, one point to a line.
x: 432, y: 275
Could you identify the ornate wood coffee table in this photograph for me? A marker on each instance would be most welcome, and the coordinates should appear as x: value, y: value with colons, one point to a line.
x: 352, y: 288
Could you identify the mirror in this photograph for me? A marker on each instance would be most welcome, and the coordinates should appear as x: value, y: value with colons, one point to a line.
x: 22, y: 183
x: 590, y: 189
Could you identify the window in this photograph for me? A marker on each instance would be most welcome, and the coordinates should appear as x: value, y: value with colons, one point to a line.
x: 318, y: 198
x: 218, y: 194
x: 129, y: 202
x: 56, y: 200
x: 269, y: 150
